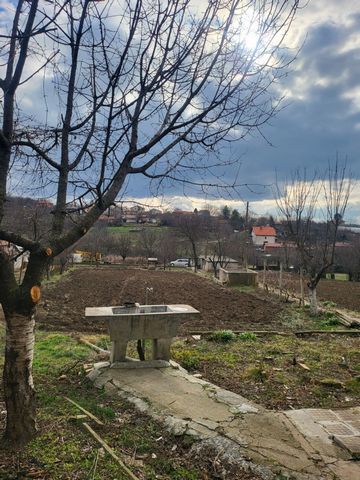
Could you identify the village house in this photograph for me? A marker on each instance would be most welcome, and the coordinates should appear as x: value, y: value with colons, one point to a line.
x: 263, y: 235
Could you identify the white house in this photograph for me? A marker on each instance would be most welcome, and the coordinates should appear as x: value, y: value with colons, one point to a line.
x: 263, y: 235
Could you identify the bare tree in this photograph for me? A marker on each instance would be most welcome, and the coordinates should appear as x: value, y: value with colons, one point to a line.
x: 120, y: 88
x: 301, y: 202
x: 148, y: 240
x: 167, y: 247
x: 124, y: 245
x: 219, y: 244
x: 193, y: 228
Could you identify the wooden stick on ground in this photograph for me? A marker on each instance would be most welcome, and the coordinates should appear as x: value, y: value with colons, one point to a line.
x: 238, y: 332
x: 285, y: 334
x: 329, y: 332
x: 89, y: 414
x: 91, y: 345
x: 110, y: 451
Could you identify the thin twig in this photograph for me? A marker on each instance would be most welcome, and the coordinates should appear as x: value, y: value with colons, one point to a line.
x: 110, y: 451
x: 89, y: 414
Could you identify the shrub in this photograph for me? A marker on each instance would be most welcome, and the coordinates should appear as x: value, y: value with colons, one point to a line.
x: 223, y: 336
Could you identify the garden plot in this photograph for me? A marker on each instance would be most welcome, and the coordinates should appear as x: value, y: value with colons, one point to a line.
x: 220, y: 308
x: 276, y: 371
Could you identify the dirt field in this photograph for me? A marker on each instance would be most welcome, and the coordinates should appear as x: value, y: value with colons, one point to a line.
x: 64, y: 302
x: 344, y: 294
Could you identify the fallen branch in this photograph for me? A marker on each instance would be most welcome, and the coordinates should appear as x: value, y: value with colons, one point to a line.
x: 327, y: 332
x: 89, y: 414
x: 239, y: 332
x: 207, y: 333
x: 91, y: 345
x: 110, y: 451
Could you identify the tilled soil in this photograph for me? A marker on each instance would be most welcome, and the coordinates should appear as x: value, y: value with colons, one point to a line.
x: 64, y: 303
x: 343, y: 294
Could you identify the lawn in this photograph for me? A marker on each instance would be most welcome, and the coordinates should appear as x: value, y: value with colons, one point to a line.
x: 64, y: 450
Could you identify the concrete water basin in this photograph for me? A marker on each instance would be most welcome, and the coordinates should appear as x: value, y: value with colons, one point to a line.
x: 159, y: 323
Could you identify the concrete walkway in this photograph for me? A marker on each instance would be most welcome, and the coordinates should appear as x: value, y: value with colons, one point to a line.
x: 301, y: 444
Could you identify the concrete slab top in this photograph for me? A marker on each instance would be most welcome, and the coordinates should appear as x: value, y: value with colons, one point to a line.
x: 139, y: 310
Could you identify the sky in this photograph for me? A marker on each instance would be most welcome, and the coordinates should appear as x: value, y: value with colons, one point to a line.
x: 320, y: 119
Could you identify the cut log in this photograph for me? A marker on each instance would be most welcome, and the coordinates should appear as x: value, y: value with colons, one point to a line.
x: 348, y: 320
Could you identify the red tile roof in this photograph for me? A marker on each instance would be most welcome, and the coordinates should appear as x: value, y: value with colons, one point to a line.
x: 264, y: 231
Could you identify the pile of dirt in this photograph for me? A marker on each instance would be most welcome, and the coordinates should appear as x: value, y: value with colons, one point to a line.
x: 64, y: 302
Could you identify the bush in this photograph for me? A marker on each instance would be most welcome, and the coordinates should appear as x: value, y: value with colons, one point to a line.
x: 223, y: 336
x: 248, y: 336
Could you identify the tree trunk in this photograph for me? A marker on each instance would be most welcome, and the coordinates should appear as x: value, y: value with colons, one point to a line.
x: 302, y: 302
x: 18, y: 382
x: 313, y: 301
x: 193, y: 246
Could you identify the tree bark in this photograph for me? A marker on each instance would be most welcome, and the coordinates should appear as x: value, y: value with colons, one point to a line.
x: 193, y: 246
x: 302, y: 302
x: 18, y: 382
x: 313, y: 301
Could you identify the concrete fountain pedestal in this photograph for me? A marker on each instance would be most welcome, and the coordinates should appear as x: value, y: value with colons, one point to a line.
x: 159, y: 323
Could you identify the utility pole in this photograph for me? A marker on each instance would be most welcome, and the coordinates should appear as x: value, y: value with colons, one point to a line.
x: 247, y: 215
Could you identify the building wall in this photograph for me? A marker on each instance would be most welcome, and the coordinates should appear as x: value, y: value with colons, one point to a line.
x: 260, y: 240
x: 238, y: 277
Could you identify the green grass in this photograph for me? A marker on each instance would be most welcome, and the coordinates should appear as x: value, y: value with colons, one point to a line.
x: 63, y: 448
x: 56, y: 277
x: 122, y: 229
x: 136, y: 228
x: 248, y: 336
x: 244, y: 288
x: 294, y: 317
x: 267, y: 369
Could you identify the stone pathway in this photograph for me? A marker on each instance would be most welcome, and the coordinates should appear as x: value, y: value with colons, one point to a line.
x: 301, y: 444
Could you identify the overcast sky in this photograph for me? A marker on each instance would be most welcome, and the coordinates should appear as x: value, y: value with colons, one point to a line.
x: 322, y: 114
x: 320, y: 118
